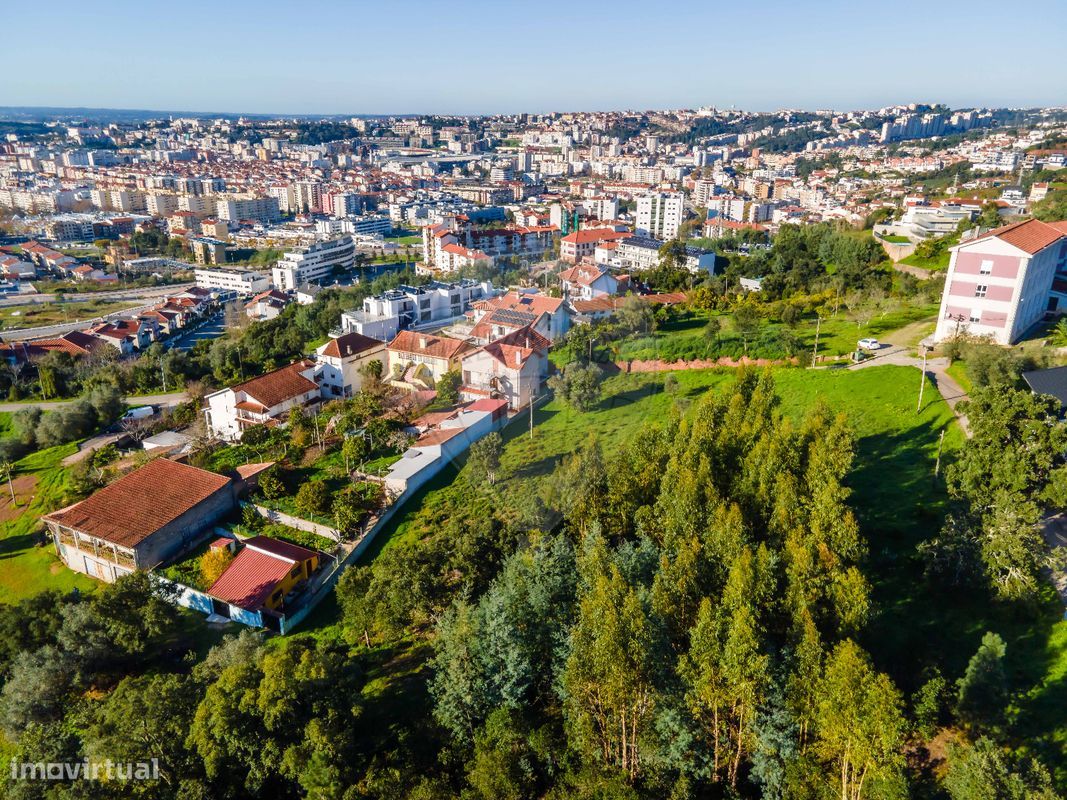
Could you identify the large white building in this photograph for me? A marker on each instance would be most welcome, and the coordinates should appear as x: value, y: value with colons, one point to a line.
x: 1001, y: 283
x: 313, y: 263
x: 386, y: 314
x: 242, y: 281
x: 660, y: 215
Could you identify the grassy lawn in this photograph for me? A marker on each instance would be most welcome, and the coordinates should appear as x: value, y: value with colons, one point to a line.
x: 28, y: 564
x: 957, y: 370
x: 42, y: 314
x: 939, y: 262
x: 894, y: 239
x: 683, y: 339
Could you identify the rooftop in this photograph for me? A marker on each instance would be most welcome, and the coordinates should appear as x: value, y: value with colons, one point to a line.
x: 137, y: 505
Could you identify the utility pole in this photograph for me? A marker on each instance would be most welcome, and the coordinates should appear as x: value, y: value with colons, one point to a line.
x: 532, y: 399
x: 922, y: 382
x: 163, y: 373
x: 815, y: 352
x: 940, y: 444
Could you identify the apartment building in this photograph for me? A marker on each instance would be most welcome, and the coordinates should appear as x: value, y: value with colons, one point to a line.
x: 242, y: 281
x: 313, y: 263
x: 660, y: 215
x: 385, y: 315
x: 261, y: 209
x: 1000, y: 284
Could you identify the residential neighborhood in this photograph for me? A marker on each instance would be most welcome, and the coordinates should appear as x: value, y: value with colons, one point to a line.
x: 550, y: 404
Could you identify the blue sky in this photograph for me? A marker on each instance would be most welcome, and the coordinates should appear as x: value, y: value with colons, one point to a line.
x: 461, y: 56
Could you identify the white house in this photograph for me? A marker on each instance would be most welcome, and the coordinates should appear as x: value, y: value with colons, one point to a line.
x: 513, y: 368
x: 341, y: 360
x: 586, y: 282
x: 265, y: 400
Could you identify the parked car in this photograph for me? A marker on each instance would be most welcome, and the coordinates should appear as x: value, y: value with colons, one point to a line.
x: 869, y: 344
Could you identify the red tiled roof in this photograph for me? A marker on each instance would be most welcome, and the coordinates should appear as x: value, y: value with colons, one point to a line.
x: 137, y: 505
x: 349, y: 344
x: 531, y: 303
x: 1031, y: 235
x: 280, y: 385
x: 428, y: 344
x: 250, y: 578
x: 437, y: 436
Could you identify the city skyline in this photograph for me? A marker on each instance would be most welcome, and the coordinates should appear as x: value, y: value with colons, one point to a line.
x: 314, y: 59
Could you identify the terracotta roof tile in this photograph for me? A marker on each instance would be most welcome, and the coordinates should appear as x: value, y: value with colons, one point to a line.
x: 1031, y: 235
x: 428, y: 344
x: 137, y: 505
x: 349, y: 344
x: 280, y: 385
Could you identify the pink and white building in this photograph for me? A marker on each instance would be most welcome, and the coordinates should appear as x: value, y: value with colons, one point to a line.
x: 1000, y: 284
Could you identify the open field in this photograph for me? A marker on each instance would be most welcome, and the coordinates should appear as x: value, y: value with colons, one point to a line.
x: 684, y: 339
x: 28, y: 567
x: 44, y: 314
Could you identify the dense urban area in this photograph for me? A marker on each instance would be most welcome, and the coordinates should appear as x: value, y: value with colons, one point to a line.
x: 694, y: 453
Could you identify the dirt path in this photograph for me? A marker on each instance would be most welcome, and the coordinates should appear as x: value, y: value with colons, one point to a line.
x: 24, y: 486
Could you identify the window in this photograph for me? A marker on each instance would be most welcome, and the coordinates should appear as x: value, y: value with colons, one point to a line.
x: 986, y: 268
x: 976, y: 317
x: 980, y: 290
x: 295, y: 572
x: 276, y: 596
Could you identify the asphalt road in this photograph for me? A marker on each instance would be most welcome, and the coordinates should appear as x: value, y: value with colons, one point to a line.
x: 171, y: 399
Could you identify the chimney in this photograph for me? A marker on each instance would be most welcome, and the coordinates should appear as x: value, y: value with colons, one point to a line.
x: 518, y: 358
x: 422, y: 342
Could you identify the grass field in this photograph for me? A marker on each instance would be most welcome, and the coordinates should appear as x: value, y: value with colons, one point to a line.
x: 938, y: 262
x: 684, y: 339
x: 28, y: 564
x: 38, y: 315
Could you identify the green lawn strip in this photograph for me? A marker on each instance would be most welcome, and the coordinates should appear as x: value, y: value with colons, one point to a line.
x: 957, y: 370
x: 938, y: 262
x: 28, y: 563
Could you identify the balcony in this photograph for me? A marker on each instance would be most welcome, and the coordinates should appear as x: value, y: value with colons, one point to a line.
x: 102, y: 550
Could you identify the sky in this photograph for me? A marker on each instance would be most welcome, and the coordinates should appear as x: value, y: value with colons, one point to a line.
x: 507, y: 56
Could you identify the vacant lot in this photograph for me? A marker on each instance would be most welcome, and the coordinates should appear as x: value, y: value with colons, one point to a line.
x: 43, y: 314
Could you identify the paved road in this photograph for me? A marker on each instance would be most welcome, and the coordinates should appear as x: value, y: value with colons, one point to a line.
x: 171, y: 399
x: 212, y: 328
x: 950, y: 391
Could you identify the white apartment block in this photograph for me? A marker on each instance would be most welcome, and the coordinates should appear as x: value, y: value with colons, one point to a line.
x: 660, y: 215
x: 384, y: 315
x: 241, y: 281
x: 313, y: 263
